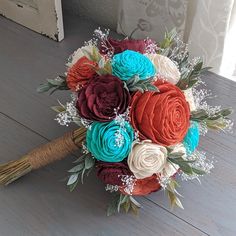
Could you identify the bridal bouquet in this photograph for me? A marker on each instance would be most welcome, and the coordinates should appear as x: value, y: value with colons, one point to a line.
x: 140, y: 113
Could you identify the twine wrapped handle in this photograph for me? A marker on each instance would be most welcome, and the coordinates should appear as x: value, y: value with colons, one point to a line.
x: 41, y: 156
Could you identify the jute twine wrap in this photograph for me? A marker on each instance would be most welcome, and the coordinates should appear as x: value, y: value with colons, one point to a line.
x: 41, y: 156
x: 52, y: 151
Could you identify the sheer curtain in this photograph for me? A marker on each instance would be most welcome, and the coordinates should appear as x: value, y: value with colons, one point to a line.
x: 207, y: 25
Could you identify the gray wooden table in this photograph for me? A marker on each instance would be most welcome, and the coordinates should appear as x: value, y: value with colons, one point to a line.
x: 40, y: 204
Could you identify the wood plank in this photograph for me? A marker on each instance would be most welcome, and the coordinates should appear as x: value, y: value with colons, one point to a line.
x: 40, y: 204
x: 211, y: 205
x: 27, y: 59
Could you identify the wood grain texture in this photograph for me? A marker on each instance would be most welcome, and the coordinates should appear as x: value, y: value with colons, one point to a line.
x: 40, y: 204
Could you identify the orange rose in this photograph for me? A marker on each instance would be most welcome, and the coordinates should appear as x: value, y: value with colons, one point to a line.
x: 162, y: 117
x: 80, y: 73
x: 144, y: 186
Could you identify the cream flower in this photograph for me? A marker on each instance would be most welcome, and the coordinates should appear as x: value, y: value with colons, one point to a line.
x: 78, y: 54
x: 165, y: 68
x: 170, y: 168
x: 188, y: 93
x: 146, y: 159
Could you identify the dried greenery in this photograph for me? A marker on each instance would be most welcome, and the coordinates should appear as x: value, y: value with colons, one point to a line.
x: 58, y: 83
x: 217, y: 120
x: 123, y: 202
x: 136, y: 84
x: 84, y: 166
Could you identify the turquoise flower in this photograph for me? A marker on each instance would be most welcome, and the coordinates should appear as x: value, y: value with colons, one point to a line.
x: 108, y: 141
x: 191, y: 140
x: 129, y: 63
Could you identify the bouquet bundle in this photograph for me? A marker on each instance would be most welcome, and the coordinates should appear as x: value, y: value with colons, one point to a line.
x: 140, y: 115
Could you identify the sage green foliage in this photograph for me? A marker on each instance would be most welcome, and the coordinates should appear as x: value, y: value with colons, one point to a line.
x: 136, y: 84
x: 53, y: 84
x: 172, y: 194
x: 172, y: 48
x: 104, y: 66
x: 84, y: 166
x: 215, y: 121
x: 123, y: 202
x: 184, y: 165
x: 190, y: 78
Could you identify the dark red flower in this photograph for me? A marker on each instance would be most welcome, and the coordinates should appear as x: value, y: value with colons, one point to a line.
x: 110, y: 173
x: 119, y: 46
x: 98, y: 100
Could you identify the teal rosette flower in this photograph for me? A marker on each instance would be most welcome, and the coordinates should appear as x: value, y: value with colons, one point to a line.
x: 109, y: 141
x: 129, y: 63
x: 191, y: 140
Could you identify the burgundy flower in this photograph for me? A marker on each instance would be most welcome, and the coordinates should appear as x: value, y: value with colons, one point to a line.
x: 110, y: 173
x: 98, y: 100
x: 119, y: 46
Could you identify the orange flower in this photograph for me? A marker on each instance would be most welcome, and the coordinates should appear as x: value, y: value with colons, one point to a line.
x: 80, y: 73
x: 163, y: 117
x: 144, y: 186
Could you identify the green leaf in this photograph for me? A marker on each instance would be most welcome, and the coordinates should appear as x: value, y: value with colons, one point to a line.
x: 82, y: 175
x: 174, y: 200
x: 126, y: 206
x: 112, y: 207
x: 198, y: 171
x: 199, y: 115
x: 77, y: 168
x: 134, y: 209
x: 55, y: 84
x: 44, y: 88
x: 134, y: 201
x: 58, y: 108
x: 136, y: 84
x: 73, y: 186
x: 72, y: 179
x: 89, y: 162
x: 226, y: 111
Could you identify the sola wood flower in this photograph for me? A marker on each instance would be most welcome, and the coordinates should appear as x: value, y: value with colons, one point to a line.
x: 80, y: 73
x: 111, y: 173
x: 128, y: 64
x: 163, y: 117
x: 108, y: 141
x: 80, y: 52
x: 165, y: 68
x: 146, y: 159
x: 144, y: 186
x: 119, y: 46
x: 102, y: 98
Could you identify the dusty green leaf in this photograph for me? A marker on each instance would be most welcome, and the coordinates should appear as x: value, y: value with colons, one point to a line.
x: 73, y: 186
x: 58, y: 109
x: 72, y: 179
x: 77, y: 168
x: 89, y: 162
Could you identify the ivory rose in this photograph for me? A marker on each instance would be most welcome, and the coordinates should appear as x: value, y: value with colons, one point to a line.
x: 165, y: 68
x: 146, y: 159
x: 79, y: 53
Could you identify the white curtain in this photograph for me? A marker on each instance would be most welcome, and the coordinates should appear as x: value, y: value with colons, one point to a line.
x: 207, y: 25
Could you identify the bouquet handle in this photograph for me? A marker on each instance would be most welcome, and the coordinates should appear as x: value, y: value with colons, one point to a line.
x: 41, y: 156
